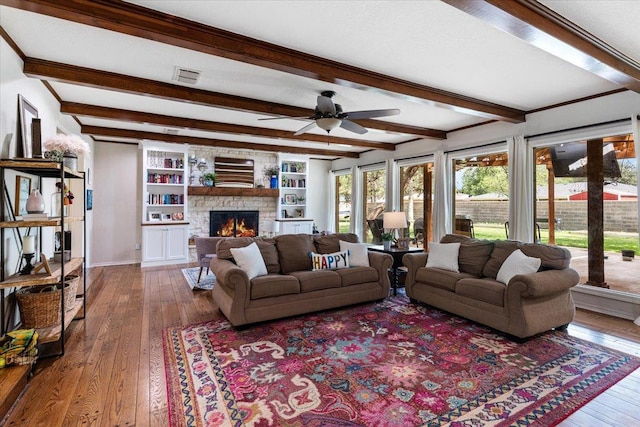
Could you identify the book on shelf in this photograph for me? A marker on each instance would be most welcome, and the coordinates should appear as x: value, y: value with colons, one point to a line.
x: 32, y: 216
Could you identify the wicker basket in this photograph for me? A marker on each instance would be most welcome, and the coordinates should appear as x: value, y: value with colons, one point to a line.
x: 71, y: 288
x: 39, y: 306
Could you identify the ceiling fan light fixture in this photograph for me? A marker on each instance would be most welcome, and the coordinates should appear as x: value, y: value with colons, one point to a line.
x: 328, y: 123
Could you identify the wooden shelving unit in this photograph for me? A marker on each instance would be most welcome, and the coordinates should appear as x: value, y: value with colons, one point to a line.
x: 58, y: 270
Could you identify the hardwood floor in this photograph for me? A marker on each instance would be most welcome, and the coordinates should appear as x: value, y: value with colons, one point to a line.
x: 113, y: 371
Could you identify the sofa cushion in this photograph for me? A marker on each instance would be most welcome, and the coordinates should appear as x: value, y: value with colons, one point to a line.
x: 293, y: 252
x: 501, y: 251
x: 331, y: 261
x: 517, y: 263
x: 267, y: 249
x: 487, y: 290
x: 250, y: 260
x: 223, y: 250
x: 443, y: 279
x: 357, y: 275
x: 316, y: 280
x: 444, y: 256
x: 331, y: 242
x: 551, y: 257
x: 473, y: 255
x: 358, y: 253
x: 274, y: 285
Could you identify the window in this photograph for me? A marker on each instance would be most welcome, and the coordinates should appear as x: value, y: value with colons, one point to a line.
x: 565, y: 218
x: 481, y: 205
x: 416, y: 200
x: 374, y: 201
x: 343, y: 203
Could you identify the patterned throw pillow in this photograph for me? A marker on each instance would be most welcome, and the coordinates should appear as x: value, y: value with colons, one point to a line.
x: 331, y: 261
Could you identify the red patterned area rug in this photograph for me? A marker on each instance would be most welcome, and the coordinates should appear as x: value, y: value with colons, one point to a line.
x: 386, y: 364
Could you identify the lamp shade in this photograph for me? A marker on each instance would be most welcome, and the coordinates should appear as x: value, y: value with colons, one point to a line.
x: 392, y: 220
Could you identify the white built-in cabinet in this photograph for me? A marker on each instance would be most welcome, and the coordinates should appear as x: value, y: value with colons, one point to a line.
x: 292, y: 203
x: 164, y: 211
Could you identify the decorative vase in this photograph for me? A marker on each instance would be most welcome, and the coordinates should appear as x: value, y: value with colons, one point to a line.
x: 70, y: 160
x: 273, y: 183
x: 56, y: 203
x: 386, y: 244
x: 35, y: 202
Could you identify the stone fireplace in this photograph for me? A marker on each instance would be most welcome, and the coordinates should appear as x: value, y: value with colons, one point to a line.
x: 227, y: 223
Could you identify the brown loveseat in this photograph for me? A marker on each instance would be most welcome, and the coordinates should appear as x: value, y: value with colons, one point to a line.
x: 527, y: 305
x: 291, y: 287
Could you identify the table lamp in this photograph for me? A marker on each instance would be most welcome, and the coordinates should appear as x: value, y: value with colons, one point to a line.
x: 271, y: 227
x: 394, y: 221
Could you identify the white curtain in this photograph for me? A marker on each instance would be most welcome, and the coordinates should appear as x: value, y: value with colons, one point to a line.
x: 442, y: 197
x: 520, y: 189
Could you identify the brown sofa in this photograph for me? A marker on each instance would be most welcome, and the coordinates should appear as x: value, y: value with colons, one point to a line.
x: 291, y: 287
x: 527, y: 305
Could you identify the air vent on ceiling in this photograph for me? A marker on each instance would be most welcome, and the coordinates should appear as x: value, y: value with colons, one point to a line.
x: 184, y: 75
x: 170, y: 131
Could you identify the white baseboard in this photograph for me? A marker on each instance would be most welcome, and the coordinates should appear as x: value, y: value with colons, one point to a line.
x: 614, y: 303
x: 109, y: 264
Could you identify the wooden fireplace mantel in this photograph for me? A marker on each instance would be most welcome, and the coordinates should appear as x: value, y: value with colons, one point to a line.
x: 232, y: 191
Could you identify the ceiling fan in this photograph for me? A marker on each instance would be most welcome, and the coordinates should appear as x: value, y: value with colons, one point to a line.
x: 329, y: 116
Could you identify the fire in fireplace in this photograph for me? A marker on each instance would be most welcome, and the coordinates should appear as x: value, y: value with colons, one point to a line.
x: 233, y: 223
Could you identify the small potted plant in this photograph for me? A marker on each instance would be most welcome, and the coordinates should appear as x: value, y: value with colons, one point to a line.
x: 209, y: 179
x: 386, y: 240
x: 271, y: 173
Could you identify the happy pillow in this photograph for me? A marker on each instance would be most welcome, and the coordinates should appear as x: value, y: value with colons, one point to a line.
x: 517, y: 263
x: 443, y: 256
x: 331, y: 261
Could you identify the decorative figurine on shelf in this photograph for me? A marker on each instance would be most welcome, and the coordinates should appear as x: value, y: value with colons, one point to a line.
x: 55, y: 199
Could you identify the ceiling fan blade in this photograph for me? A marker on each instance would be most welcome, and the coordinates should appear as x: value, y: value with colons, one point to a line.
x: 352, y: 127
x: 325, y: 105
x: 306, y: 128
x: 355, y: 115
x: 286, y: 117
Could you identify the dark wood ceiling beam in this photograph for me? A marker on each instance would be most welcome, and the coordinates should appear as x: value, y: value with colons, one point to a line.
x: 85, y: 110
x: 66, y: 73
x: 551, y: 32
x: 146, y: 23
x: 180, y: 139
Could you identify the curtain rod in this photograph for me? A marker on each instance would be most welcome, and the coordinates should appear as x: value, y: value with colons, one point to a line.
x: 340, y: 170
x: 490, y: 144
x: 578, y: 128
x: 371, y: 164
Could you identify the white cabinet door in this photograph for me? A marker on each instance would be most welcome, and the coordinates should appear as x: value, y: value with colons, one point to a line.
x: 177, y: 243
x: 153, y: 243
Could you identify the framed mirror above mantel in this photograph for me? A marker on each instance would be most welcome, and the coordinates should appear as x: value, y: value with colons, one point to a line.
x: 232, y: 191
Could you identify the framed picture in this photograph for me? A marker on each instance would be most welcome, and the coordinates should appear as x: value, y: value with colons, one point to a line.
x: 27, y: 113
x: 23, y: 189
x: 165, y: 216
x: 290, y: 199
x: 177, y: 216
x: 154, y: 216
x: 89, y: 200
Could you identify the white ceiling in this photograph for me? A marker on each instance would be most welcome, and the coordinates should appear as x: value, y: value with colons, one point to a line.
x: 426, y: 42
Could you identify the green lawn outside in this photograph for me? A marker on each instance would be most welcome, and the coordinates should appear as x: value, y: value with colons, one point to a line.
x: 613, y: 241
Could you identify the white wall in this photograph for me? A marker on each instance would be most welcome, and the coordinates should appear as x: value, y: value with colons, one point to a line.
x: 13, y: 83
x: 116, y: 205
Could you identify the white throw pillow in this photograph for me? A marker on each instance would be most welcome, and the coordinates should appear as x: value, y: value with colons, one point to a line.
x: 358, y: 253
x: 444, y: 256
x: 250, y: 260
x: 517, y: 263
